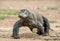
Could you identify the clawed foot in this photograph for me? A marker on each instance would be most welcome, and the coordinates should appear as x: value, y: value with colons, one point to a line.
x: 39, y: 33
x: 46, y: 34
x: 16, y: 37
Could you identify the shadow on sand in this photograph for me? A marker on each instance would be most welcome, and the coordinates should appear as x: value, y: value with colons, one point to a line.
x: 23, y: 35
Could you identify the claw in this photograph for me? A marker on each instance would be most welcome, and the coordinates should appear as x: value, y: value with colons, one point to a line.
x: 16, y: 37
x: 45, y: 34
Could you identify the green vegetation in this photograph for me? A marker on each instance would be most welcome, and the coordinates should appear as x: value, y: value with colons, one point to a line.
x: 27, y: 0
x: 8, y: 11
x: 2, y: 17
x: 48, y: 8
x: 53, y: 8
x: 52, y: 39
x: 53, y: 21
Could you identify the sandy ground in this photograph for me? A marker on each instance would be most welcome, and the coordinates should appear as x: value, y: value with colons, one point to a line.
x: 6, y: 25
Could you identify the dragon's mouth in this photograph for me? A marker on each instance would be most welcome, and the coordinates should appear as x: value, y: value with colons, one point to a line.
x: 23, y: 17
